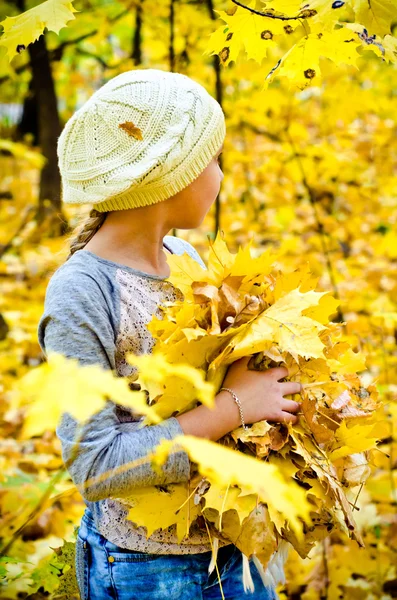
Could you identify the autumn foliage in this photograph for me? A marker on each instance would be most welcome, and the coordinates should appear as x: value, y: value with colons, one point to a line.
x: 301, y: 249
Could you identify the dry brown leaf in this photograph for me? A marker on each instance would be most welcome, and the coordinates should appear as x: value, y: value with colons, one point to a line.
x: 131, y: 129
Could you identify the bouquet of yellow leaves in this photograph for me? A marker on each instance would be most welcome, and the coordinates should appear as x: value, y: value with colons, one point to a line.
x: 288, y: 484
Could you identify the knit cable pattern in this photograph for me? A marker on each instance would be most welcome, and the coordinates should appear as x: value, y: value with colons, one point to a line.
x: 182, y: 127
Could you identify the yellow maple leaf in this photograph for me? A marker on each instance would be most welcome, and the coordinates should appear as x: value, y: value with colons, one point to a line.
x: 20, y: 31
x: 221, y: 42
x: 315, y: 11
x: 326, y: 307
x: 301, y: 278
x: 184, y: 270
x: 156, y: 508
x: 301, y: 64
x: 63, y: 385
x: 348, y: 362
x: 389, y: 44
x: 220, y: 260
x: 244, y: 30
x: 283, y: 324
x: 223, y: 466
x: 176, y: 385
x: 356, y: 438
x: 377, y: 16
x: 224, y: 499
x: 252, y: 268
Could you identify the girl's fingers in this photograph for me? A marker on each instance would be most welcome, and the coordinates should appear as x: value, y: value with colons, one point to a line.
x: 288, y: 418
x: 244, y: 360
x: 278, y: 372
x: 290, y: 387
x: 290, y: 406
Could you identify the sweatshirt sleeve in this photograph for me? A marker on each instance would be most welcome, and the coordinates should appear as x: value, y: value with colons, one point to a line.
x: 77, y: 322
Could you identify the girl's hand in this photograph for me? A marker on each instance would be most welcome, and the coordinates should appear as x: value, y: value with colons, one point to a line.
x: 261, y: 393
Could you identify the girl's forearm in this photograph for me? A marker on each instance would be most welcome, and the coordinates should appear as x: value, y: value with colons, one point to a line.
x: 212, y: 423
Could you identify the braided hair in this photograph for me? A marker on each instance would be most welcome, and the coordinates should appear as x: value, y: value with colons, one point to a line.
x: 87, y: 230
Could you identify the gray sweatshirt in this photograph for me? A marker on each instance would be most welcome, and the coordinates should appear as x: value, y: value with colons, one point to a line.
x: 96, y: 311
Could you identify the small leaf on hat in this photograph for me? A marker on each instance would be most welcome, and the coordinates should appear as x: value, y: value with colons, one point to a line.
x: 131, y: 129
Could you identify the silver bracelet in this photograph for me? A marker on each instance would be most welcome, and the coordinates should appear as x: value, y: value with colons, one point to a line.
x: 237, y: 401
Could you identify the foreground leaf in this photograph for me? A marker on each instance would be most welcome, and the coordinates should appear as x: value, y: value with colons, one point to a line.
x: 28, y: 26
x: 63, y: 385
x: 223, y: 466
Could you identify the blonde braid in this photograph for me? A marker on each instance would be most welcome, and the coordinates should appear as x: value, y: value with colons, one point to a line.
x: 87, y: 230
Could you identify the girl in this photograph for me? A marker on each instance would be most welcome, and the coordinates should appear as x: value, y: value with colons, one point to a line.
x: 144, y: 151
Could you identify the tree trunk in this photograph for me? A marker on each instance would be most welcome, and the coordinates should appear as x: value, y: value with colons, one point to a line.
x: 28, y: 122
x: 49, y: 130
x: 172, y: 35
x: 137, y: 40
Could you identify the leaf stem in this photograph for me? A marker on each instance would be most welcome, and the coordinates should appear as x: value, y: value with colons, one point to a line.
x: 267, y: 14
x: 223, y: 506
x: 216, y: 563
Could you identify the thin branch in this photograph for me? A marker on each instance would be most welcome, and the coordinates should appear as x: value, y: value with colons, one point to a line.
x: 272, y: 136
x: 56, y: 53
x: 304, y: 14
x: 53, y: 55
x: 101, y: 61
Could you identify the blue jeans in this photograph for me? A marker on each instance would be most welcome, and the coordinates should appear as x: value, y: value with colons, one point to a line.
x: 136, y: 575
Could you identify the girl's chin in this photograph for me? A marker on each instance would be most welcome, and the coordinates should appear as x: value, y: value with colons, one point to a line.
x: 190, y: 223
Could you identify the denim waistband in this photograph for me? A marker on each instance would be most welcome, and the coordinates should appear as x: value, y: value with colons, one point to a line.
x: 224, y: 551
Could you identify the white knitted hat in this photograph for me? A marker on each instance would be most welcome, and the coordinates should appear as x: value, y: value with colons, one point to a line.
x: 171, y: 129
